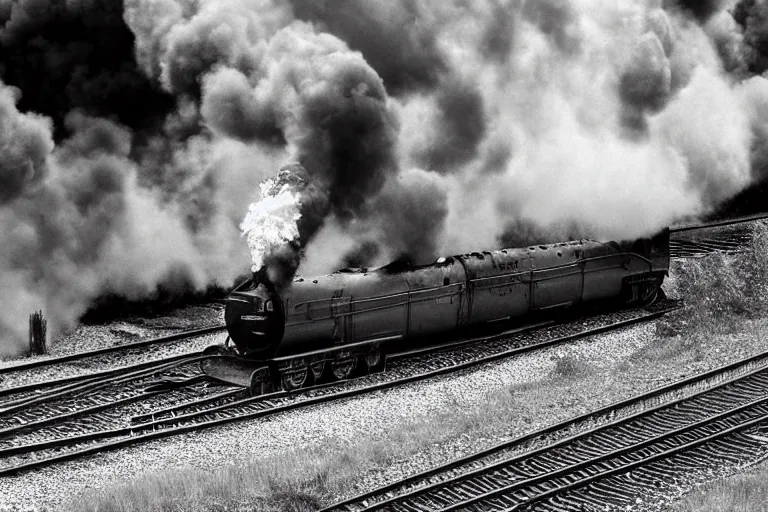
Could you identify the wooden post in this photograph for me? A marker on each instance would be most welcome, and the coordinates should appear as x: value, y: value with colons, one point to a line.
x: 38, y: 328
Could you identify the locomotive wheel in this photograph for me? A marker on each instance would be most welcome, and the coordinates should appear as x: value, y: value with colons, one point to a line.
x: 318, y: 369
x: 373, y: 359
x: 342, y: 368
x: 296, y: 376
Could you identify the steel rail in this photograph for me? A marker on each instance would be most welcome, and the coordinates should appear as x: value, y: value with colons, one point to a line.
x: 172, y: 411
x: 76, y: 380
x: 717, y: 223
x: 96, y: 383
x: 7, y: 431
x: 153, y: 415
x: 571, y: 468
x: 168, y: 429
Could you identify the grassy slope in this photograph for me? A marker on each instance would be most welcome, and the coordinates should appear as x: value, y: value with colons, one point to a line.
x: 724, y: 293
x: 739, y: 493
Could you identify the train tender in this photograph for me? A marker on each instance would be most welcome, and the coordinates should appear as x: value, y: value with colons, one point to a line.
x: 339, y: 325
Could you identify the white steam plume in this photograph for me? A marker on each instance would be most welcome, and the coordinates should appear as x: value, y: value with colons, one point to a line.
x: 271, y: 222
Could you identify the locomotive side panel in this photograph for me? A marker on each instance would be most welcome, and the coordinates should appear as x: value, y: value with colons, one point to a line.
x: 603, y: 271
x: 499, y: 284
x: 558, y: 277
x: 437, y: 298
x: 606, y: 268
x: 309, y: 318
x: 378, y: 307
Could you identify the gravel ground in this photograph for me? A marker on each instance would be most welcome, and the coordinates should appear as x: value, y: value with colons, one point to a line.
x: 378, y: 415
x: 366, y: 417
x: 93, y: 336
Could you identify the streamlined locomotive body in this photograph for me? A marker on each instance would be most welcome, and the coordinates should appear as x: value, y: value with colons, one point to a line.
x: 333, y: 325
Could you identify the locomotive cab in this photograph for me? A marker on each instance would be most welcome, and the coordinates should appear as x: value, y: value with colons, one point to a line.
x: 254, y: 317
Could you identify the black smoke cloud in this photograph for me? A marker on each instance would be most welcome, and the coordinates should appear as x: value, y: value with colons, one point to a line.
x: 646, y: 83
x: 269, y: 81
x: 63, y: 208
x: 25, y: 142
x: 413, y: 195
x: 398, y: 39
x: 77, y: 54
x: 752, y: 17
x: 556, y: 19
x: 701, y: 10
x: 459, y: 127
x: 136, y: 132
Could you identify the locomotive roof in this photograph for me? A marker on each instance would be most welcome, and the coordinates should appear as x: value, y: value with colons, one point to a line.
x: 406, y: 265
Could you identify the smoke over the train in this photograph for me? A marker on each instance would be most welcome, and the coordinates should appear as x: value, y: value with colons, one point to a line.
x: 537, y: 120
x: 420, y: 127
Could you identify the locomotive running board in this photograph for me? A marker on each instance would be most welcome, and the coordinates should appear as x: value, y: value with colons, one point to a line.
x: 339, y: 348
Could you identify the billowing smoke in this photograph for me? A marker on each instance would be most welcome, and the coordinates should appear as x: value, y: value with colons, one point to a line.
x: 136, y: 133
x: 76, y: 224
x: 398, y: 39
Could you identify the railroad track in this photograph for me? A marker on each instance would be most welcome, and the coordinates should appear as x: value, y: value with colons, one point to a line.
x: 600, y: 459
x: 697, y: 240
x: 95, y: 394
x: 53, y: 440
x: 29, y: 378
x: 728, y: 243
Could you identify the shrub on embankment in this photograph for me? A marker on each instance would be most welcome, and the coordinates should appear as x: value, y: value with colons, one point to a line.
x: 719, y: 290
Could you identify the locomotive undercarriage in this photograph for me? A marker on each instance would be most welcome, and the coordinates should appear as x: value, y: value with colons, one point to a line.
x: 296, y: 371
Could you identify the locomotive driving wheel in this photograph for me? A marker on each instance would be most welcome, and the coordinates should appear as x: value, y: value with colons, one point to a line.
x: 295, y: 376
x: 343, y: 367
x: 318, y: 369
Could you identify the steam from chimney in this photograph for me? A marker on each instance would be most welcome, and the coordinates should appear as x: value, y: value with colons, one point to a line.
x: 418, y: 128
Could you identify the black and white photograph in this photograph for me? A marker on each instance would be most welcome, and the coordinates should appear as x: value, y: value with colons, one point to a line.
x: 383, y: 255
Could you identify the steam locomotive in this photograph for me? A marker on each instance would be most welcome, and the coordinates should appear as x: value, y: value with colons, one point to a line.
x: 341, y: 324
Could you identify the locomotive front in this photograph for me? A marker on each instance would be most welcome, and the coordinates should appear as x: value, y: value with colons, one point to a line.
x: 254, y: 317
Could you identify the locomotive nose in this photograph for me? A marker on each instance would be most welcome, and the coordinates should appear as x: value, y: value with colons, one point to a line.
x: 254, y: 319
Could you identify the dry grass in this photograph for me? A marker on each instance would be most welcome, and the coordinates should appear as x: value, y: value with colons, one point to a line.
x: 740, y: 493
x: 569, y: 367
